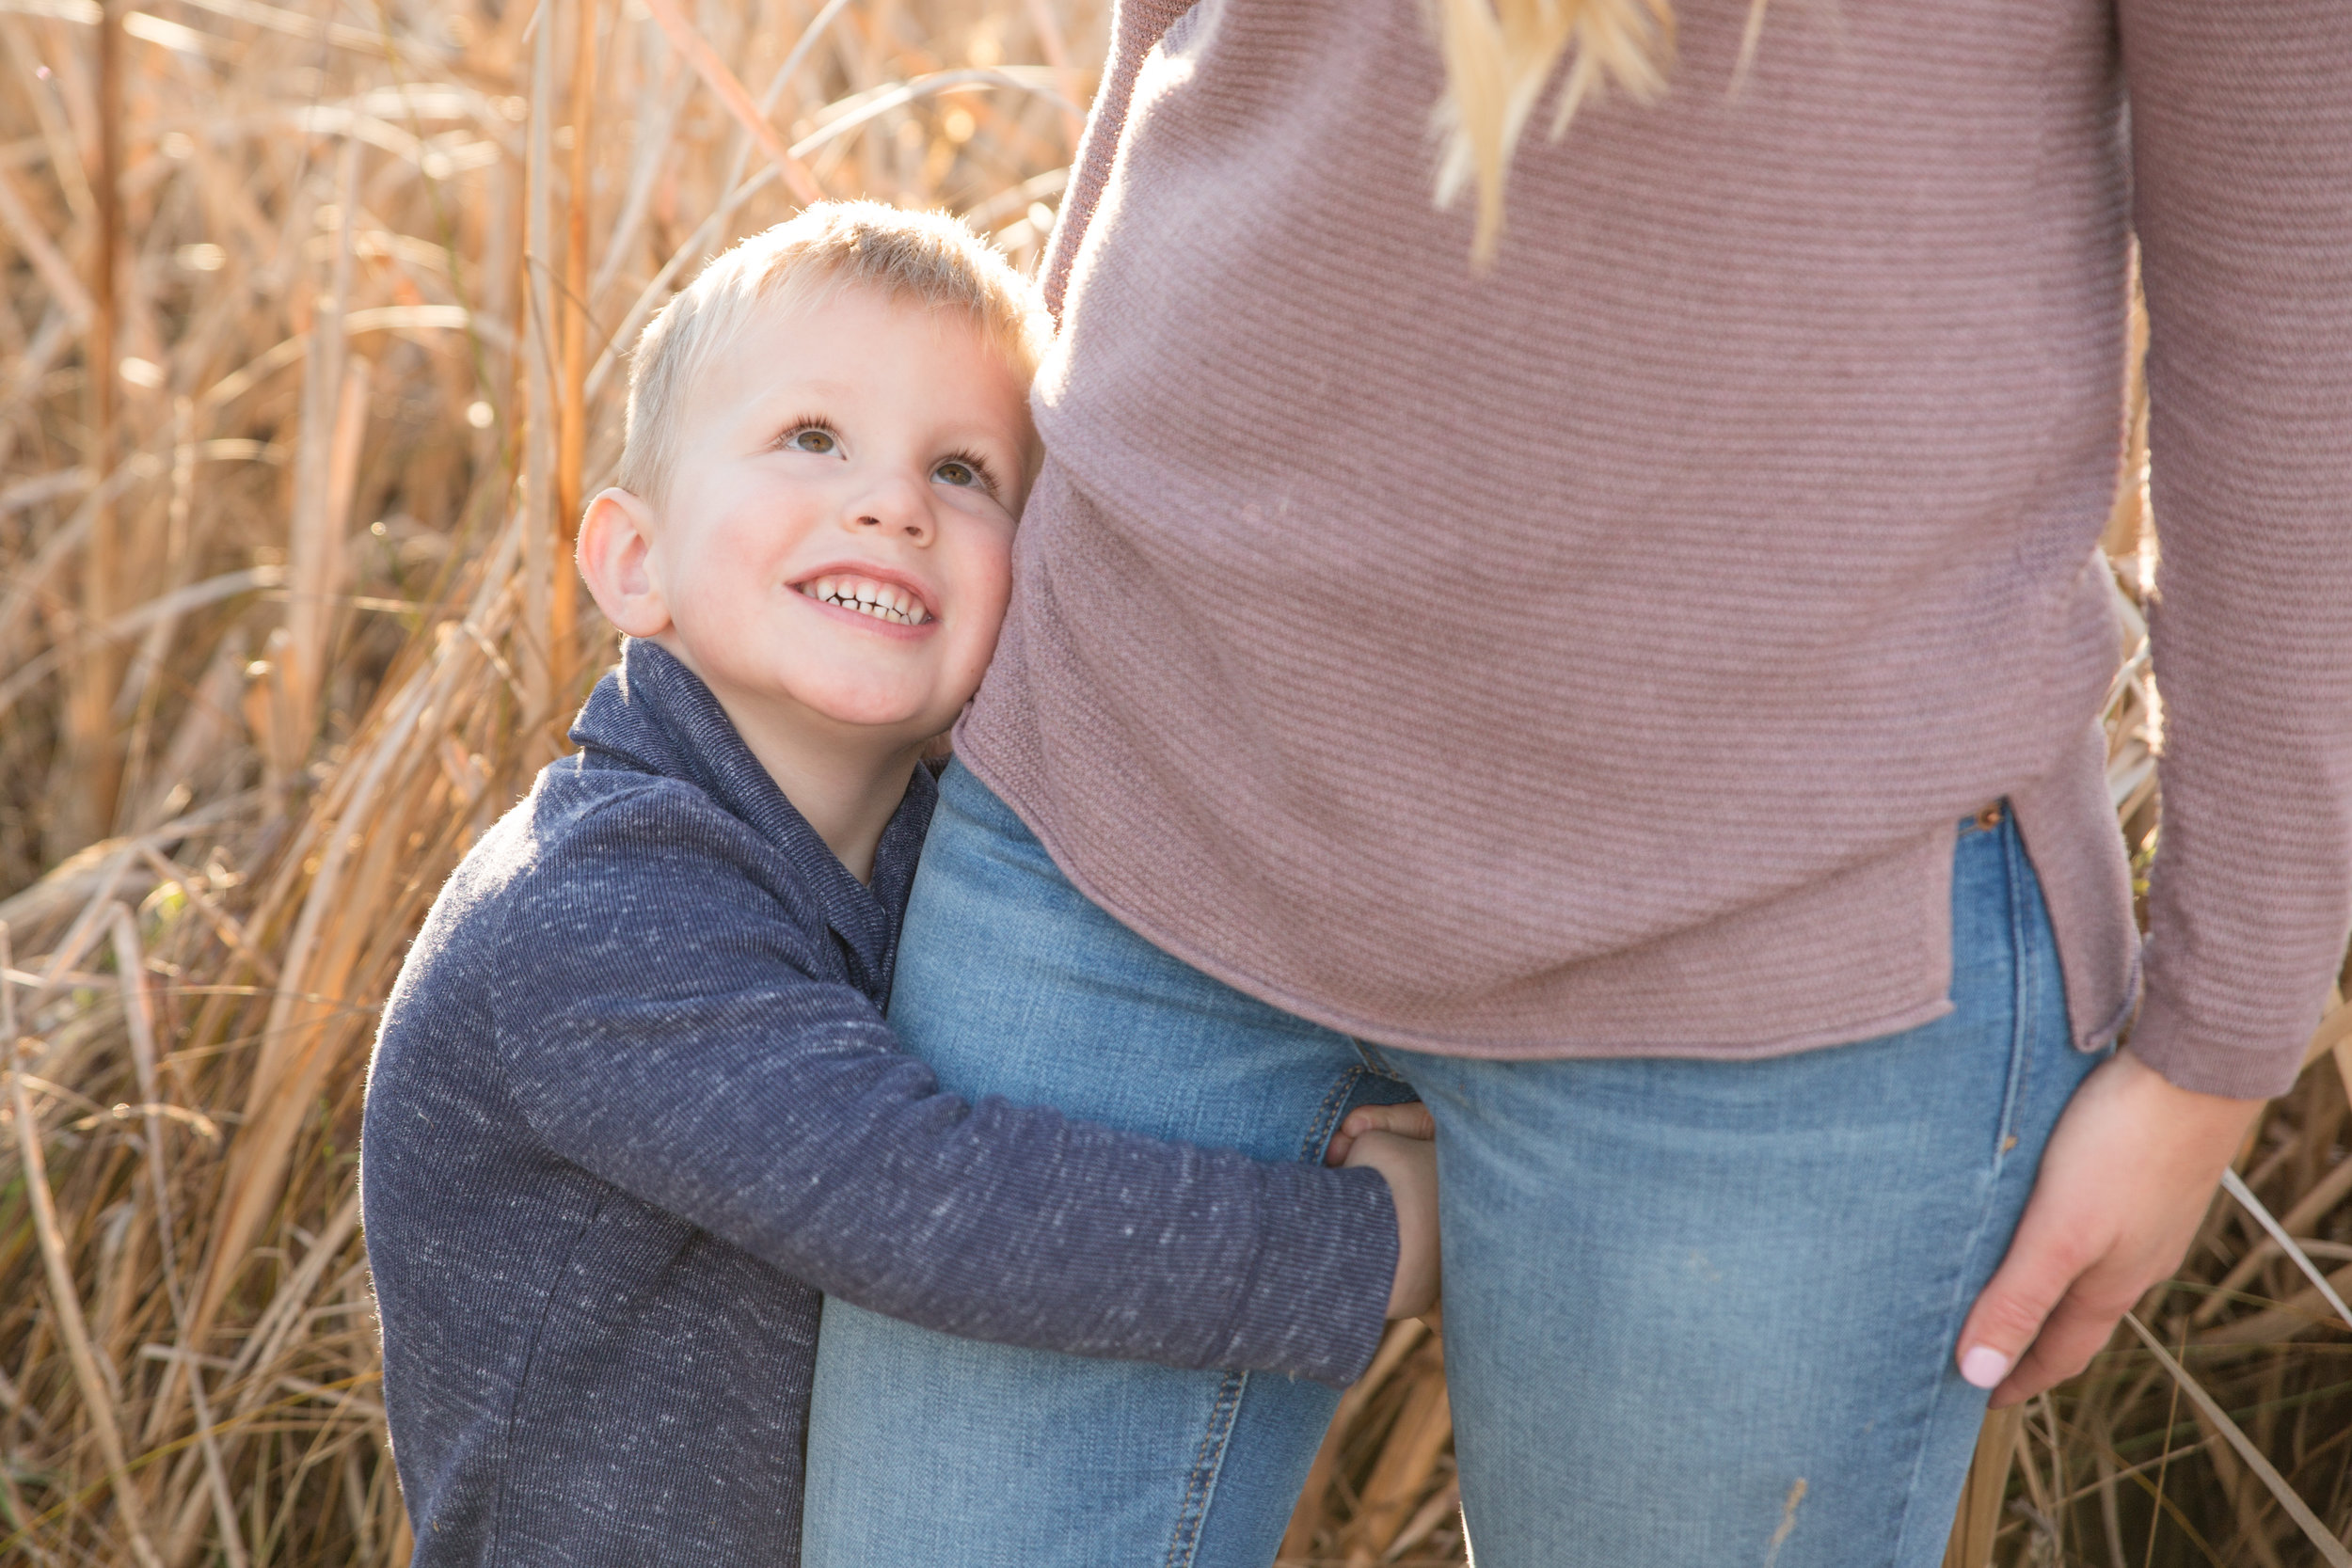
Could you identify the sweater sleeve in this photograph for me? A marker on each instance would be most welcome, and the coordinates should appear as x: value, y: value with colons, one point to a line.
x: 1137, y: 26
x: 2242, y: 157
x: 664, y: 1032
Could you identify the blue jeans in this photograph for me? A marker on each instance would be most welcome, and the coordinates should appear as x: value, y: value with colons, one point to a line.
x: 1697, y: 1312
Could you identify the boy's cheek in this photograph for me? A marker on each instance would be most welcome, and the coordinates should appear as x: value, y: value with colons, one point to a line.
x: 990, y: 597
x: 976, y: 640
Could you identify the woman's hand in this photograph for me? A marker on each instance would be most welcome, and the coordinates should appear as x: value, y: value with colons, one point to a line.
x: 1397, y: 1140
x: 2124, y: 1184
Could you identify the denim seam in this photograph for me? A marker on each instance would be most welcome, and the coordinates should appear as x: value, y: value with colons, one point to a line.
x: 1201, y: 1484
x: 2022, y: 1024
x: 1326, y: 1116
x: 1377, y: 1063
x: 2021, y: 1036
x: 1943, y: 1389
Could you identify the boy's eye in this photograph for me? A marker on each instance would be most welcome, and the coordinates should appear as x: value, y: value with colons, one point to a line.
x: 816, y: 438
x: 956, y: 471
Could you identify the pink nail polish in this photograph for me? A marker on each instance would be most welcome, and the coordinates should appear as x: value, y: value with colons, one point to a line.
x: 1985, y: 1367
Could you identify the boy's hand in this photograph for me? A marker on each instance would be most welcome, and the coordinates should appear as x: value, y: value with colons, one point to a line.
x: 1397, y: 1140
x: 1410, y: 1120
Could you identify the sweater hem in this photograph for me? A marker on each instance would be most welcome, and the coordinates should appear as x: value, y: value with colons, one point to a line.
x: 1911, y: 1015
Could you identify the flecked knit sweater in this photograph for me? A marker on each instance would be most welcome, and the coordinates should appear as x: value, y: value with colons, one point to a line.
x: 634, y: 1105
x: 1589, y: 655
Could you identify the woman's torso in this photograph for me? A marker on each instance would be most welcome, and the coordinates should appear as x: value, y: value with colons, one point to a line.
x: 1590, y: 654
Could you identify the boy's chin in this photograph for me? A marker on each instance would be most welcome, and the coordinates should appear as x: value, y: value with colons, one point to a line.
x: 849, y: 699
x: 888, y: 718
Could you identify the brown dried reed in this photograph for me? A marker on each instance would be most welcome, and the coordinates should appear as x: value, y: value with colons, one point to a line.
x: 311, y: 332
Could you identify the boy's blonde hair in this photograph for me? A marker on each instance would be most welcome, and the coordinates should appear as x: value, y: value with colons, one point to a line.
x: 927, y: 259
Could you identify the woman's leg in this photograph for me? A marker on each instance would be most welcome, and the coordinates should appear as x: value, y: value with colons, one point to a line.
x: 927, y: 1452
x: 1701, y: 1313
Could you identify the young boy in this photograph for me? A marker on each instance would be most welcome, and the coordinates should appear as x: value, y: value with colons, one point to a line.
x: 634, y: 1104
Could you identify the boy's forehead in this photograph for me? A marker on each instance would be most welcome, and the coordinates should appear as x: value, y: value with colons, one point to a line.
x: 795, y: 338
x: 813, y: 310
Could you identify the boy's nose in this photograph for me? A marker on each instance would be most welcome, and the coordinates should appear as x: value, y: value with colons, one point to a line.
x: 897, y: 509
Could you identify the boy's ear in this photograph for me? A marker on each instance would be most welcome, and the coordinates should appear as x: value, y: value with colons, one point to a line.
x: 615, y: 559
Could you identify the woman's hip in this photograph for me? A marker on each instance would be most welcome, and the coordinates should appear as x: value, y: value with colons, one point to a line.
x: 1702, y: 1312
x: 1010, y: 982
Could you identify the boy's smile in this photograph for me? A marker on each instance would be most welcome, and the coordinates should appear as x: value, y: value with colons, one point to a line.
x: 892, y: 602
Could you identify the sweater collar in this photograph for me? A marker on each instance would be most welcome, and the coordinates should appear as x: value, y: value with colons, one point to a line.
x: 651, y: 714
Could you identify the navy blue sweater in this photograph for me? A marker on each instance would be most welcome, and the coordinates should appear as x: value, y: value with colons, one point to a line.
x: 634, y: 1105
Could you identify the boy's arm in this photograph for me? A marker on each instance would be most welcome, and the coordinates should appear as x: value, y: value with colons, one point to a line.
x: 676, y: 1047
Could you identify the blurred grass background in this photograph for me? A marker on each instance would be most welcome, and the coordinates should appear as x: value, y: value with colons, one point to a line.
x: 311, y: 328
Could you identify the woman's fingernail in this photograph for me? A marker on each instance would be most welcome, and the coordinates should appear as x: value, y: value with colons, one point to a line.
x: 1985, y: 1367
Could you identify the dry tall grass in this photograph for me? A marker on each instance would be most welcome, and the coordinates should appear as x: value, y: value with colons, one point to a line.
x: 310, y: 327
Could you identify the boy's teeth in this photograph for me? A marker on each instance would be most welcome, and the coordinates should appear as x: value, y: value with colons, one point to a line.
x: 866, y: 597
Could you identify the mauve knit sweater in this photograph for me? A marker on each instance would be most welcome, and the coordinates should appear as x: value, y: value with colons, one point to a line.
x: 1591, y: 656
x: 634, y: 1104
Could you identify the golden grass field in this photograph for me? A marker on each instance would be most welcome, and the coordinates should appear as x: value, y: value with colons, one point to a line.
x: 285, y: 620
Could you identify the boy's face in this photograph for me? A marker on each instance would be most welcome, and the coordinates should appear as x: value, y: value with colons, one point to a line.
x: 836, y: 539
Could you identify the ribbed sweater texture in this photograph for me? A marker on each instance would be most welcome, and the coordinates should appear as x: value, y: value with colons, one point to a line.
x: 1589, y: 655
x: 634, y: 1105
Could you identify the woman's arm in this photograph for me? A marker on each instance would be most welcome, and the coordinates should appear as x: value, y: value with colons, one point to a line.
x: 2242, y: 190
x: 1137, y: 26
x: 2241, y: 174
